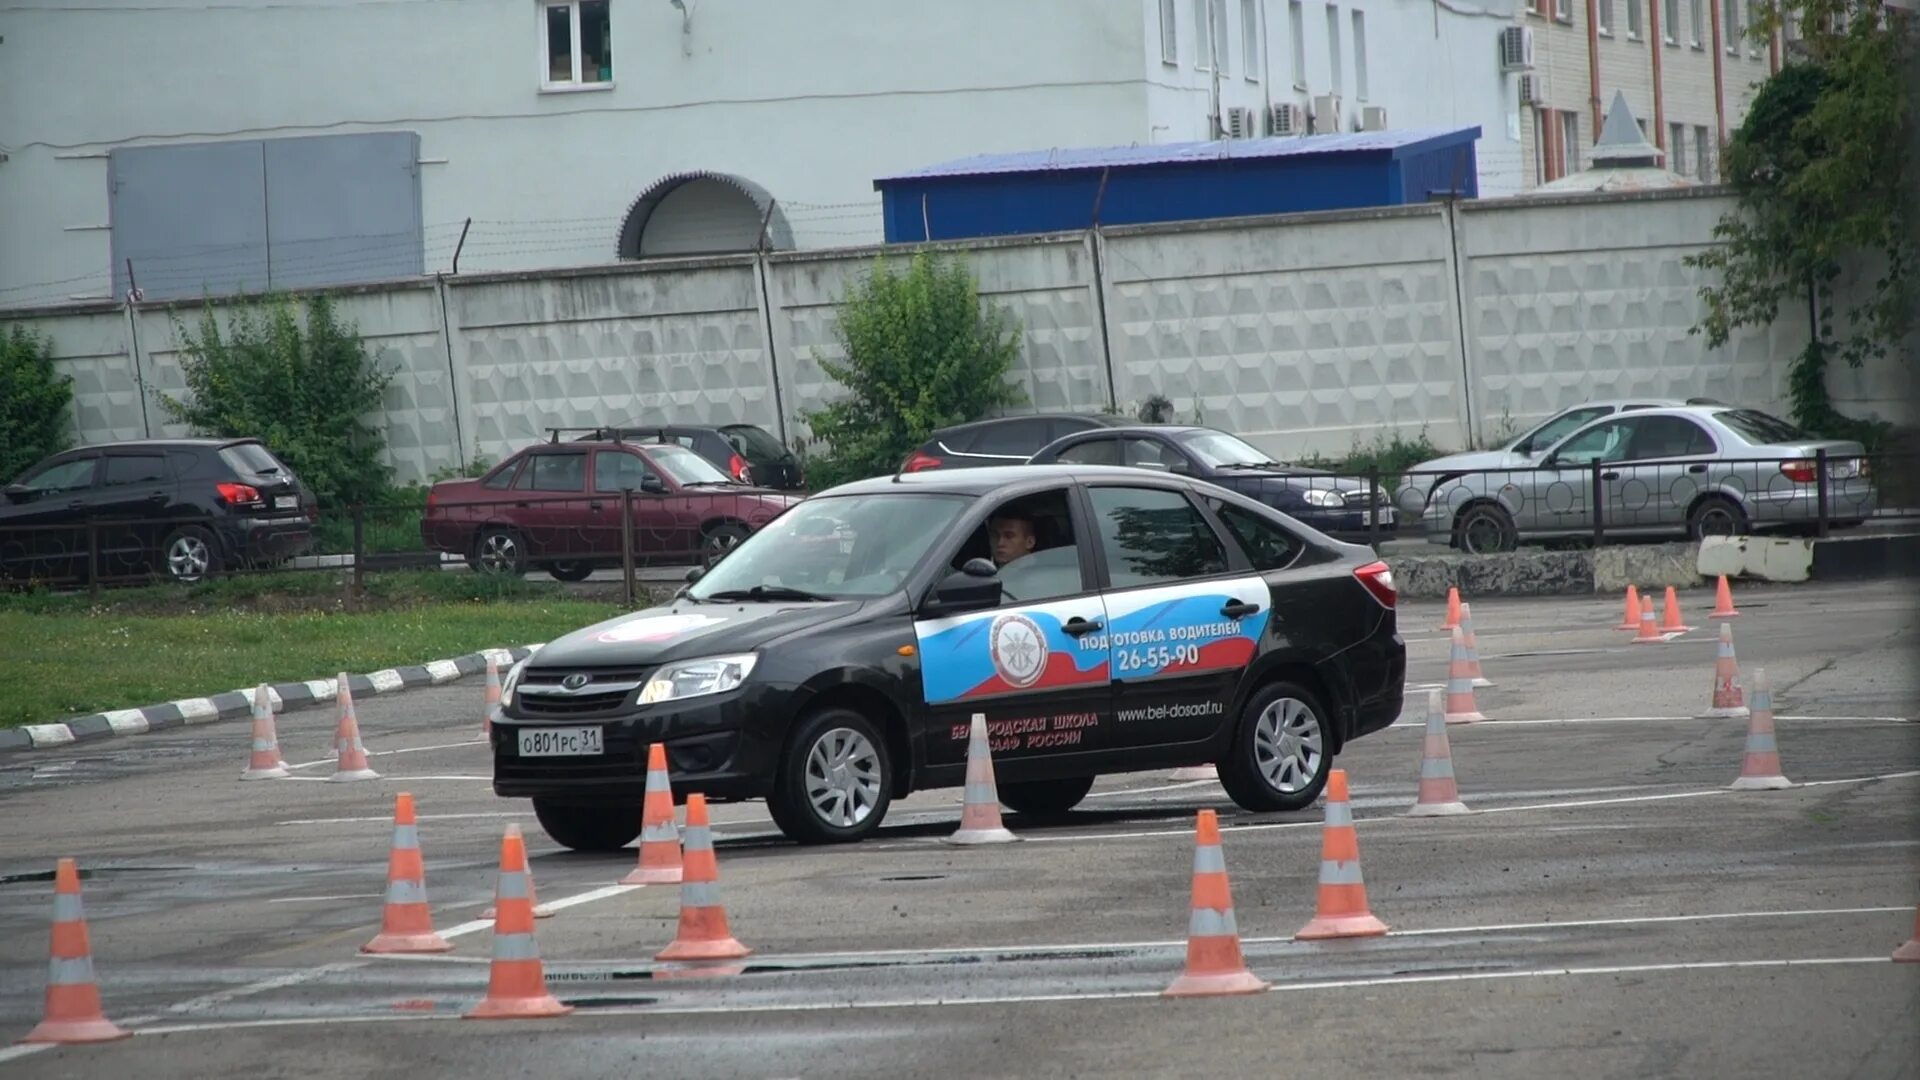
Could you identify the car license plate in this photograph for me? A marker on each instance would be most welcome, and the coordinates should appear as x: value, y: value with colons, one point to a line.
x: 560, y: 742
x: 286, y: 502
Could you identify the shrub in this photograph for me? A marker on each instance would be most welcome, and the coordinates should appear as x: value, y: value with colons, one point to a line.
x: 36, y: 404
x: 922, y: 352
x: 301, y: 390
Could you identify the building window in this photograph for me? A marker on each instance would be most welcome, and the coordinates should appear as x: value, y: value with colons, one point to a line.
x: 1669, y: 18
x: 1333, y: 47
x: 1297, y: 29
x: 1677, y: 148
x: 1202, y: 40
x: 1753, y: 47
x: 1250, y: 37
x: 1169, y: 33
x: 1635, y: 28
x: 1697, y: 22
x: 1220, y: 50
x: 1604, y: 17
x: 579, y: 43
x: 1569, y: 143
x: 1730, y: 25
x: 1563, y: 10
x: 1703, y: 155
x: 1360, y: 55
x: 1542, y: 169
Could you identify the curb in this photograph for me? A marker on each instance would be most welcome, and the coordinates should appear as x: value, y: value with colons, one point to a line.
x: 233, y: 704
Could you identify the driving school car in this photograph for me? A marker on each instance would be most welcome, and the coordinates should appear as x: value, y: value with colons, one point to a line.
x: 833, y: 661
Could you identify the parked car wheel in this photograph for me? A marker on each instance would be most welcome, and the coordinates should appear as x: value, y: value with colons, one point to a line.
x: 1281, y: 751
x: 576, y: 570
x: 587, y: 826
x: 720, y: 539
x: 1486, y: 529
x: 190, y: 554
x: 498, y: 550
x: 835, y: 781
x: 1717, y: 515
x: 1045, y: 798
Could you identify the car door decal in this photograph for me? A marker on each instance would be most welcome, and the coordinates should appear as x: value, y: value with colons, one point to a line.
x: 1179, y: 629
x: 1008, y: 651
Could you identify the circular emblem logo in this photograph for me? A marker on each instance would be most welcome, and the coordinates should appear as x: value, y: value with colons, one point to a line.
x: 575, y: 681
x: 1019, y: 649
x: 657, y: 627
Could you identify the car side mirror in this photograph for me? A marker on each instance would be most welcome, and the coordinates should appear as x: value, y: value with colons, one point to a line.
x: 975, y: 586
x: 653, y: 485
x: 19, y: 493
x: 696, y: 574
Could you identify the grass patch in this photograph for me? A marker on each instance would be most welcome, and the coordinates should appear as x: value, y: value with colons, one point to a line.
x: 137, y: 647
x: 386, y: 527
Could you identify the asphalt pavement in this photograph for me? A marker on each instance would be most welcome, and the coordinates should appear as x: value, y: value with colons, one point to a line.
x: 1611, y: 908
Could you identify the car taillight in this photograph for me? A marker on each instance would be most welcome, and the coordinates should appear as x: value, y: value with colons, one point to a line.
x: 238, y: 494
x: 737, y: 465
x: 1800, y: 472
x: 1378, y: 578
x: 433, y: 496
x: 919, y: 461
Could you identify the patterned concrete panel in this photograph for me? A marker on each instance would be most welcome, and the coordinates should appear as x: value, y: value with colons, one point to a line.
x: 91, y: 348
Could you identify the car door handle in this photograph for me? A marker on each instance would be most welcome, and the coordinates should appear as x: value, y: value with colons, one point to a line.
x: 522, y: 505
x: 1696, y: 468
x: 1609, y: 476
x: 1235, y: 609
x: 1077, y: 626
x: 594, y: 506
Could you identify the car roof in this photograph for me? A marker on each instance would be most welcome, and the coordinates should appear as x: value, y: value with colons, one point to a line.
x: 998, y: 479
x: 1100, y: 419
x: 165, y: 444
x: 1710, y: 413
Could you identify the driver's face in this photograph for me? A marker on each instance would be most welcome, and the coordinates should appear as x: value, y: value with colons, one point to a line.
x: 1011, y: 538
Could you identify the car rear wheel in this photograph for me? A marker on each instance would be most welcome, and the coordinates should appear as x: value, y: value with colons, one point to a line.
x: 1486, y: 529
x: 1717, y: 516
x: 1280, y: 756
x: 717, y: 541
x: 498, y: 550
x: 190, y: 555
x: 570, y: 571
x: 1045, y: 798
x: 588, y: 826
x: 835, y: 780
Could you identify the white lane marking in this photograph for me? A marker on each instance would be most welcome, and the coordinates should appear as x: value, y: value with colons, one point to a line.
x: 322, y: 779
x: 389, y: 818
x: 127, y: 722
x: 1144, y: 790
x: 318, y: 899
x: 404, y: 750
x: 565, y: 902
x: 442, y: 671
x: 1421, y: 723
x: 8, y: 1053
x: 1229, y: 827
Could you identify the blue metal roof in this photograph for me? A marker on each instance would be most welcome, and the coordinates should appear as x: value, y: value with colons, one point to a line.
x: 1394, y: 144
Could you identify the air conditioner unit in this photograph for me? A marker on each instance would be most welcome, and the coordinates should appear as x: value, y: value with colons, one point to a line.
x: 1287, y: 118
x: 1326, y: 113
x: 1516, y: 48
x: 1239, y: 123
x: 1373, y: 118
x: 1533, y: 90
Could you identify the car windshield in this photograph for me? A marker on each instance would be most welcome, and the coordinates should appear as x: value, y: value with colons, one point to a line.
x: 838, y: 547
x: 755, y: 444
x: 685, y: 466
x: 1759, y: 428
x: 1555, y: 429
x: 1221, y: 450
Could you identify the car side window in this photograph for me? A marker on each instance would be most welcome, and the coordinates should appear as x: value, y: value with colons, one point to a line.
x: 1014, y: 438
x: 617, y: 470
x: 1268, y: 546
x: 1559, y: 428
x: 128, y: 469
x: 1092, y: 452
x: 1661, y: 437
x: 554, y: 472
x: 1152, y: 537
x: 502, y: 480
x: 1607, y: 442
x: 66, y: 476
x: 1031, y: 542
x: 1154, y: 454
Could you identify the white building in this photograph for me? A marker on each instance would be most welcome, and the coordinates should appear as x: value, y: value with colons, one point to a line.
x: 214, y: 147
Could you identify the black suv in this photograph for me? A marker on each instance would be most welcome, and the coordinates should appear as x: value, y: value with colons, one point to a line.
x: 747, y: 452
x: 1102, y: 620
x: 1005, y: 440
x: 183, y: 508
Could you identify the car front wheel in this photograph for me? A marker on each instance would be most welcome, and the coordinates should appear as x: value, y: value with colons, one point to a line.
x: 835, y: 780
x: 1280, y: 756
x: 588, y: 826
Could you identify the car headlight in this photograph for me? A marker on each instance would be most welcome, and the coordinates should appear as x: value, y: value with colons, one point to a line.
x: 694, y: 678
x: 1317, y: 497
x: 512, y: 680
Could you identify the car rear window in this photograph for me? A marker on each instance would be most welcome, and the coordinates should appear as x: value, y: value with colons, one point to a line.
x: 1758, y: 427
x: 755, y: 444
x: 1013, y: 438
x: 251, y: 458
x: 135, y: 469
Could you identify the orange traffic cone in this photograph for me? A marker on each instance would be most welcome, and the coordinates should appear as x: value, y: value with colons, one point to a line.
x: 1723, y: 601
x: 1214, y: 963
x: 1341, y: 910
x: 407, y: 924
x: 265, y: 762
x: 533, y: 895
x: 1729, y: 702
x: 1473, y: 647
x: 703, y: 934
x: 1631, y: 621
x: 1453, y: 608
x: 73, y: 997
x: 351, y: 755
x: 1670, y: 620
x: 1439, y: 795
x: 492, y: 706
x: 516, y: 981
x: 1461, y: 707
x: 980, y: 815
x: 1760, y: 768
x: 659, y: 838
x: 1910, y: 952
x: 1649, y: 630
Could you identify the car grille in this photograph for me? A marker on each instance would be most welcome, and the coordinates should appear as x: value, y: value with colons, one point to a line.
x: 607, y: 690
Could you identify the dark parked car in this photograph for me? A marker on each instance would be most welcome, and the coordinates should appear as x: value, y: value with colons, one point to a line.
x: 1102, y: 620
x: 1334, y: 504
x: 747, y: 452
x: 182, y: 508
x: 1006, y: 440
x: 556, y: 506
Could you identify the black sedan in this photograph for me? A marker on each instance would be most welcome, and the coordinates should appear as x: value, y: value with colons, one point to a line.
x: 1101, y: 620
x: 1334, y: 504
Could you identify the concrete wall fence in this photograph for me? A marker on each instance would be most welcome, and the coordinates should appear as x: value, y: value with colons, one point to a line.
x: 1305, y: 334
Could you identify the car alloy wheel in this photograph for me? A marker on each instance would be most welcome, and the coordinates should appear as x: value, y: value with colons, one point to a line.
x: 188, y: 558
x: 843, y: 778
x: 1288, y: 745
x: 499, y: 552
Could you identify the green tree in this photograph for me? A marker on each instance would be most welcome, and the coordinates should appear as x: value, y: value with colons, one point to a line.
x: 36, y: 403
x: 922, y: 352
x: 1822, y: 180
x: 302, y: 390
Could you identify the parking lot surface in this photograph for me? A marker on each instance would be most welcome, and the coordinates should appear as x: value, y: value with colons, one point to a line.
x: 1610, y: 908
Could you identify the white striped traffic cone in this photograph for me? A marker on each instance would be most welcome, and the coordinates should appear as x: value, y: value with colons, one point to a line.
x: 980, y: 815
x: 72, y: 1013
x: 1439, y: 794
x: 1214, y: 961
x: 1461, y: 707
x: 1729, y: 703
x: 266, y: 763
x: 1760, y: 767
x: 492, y: 706
x: 1473, y: 647
x: 351, y: 763
x: 406, y: 924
